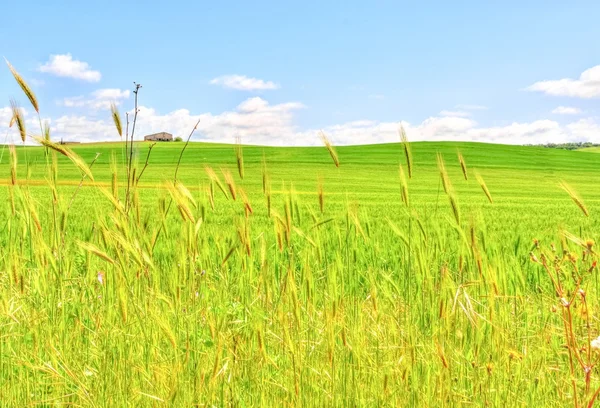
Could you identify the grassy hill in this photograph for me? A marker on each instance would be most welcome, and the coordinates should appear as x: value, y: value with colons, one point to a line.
x: 522, y: 180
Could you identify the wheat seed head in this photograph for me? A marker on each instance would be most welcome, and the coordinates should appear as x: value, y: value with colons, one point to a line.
x: 24, y: 86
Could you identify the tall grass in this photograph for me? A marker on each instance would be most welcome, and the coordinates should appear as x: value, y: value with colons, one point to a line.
x: 284, y: 297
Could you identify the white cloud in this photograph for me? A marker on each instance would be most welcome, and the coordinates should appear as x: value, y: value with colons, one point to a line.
x: 460, y: 114
x: 98, y: 100
x: 587, y: 86
x: 462, y: 129
x: 258, y: 122
x: 63, y: 65
x: 376, y: 96
x: 83, y: 129
x: 243, y: 83
x: 566, y: 110
x: 254, y: 120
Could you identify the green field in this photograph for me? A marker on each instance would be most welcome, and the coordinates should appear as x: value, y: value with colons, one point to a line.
x: 337, y: 293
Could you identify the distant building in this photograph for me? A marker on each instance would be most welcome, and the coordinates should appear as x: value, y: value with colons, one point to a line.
x: 159, y: 137
x: 63, y: 142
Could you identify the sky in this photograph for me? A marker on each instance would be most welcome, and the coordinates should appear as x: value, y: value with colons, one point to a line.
x: 277, y: 73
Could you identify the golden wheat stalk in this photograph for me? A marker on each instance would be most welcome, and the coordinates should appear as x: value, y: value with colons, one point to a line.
x: 247, y: 207
x: 330, y: 148
x: 47, y: 130
x: 484, y: 187
x: 13, y: 164
x: 455, y: 208
x: 575, y: 197
x: 116, y: 117
x: 19, y: 119
x: 181, y: 196
x: 96, y: 251
x: 77, y: 161
x: 211, y: 194
x: 26, y: 89
x: 239, y: 155
x: 230, y: 182
x: 321, y: 195
x: 444, y: 174
x: 404, y: 187
x: 215, y: 179
x: 463, y: 165
x: 407, y: 152
x: 32, y: 211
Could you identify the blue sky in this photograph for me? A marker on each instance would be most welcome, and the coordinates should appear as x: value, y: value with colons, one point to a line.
x: 277, y: 72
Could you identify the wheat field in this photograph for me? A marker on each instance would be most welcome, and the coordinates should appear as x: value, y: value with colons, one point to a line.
x: 407, y: 274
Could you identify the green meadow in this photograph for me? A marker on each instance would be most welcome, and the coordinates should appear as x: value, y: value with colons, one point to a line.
x: 301, y: 283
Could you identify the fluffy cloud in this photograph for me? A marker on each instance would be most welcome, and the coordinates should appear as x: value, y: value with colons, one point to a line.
x: 98, y: 100
x: 5, y: 115
x: 566, y: 110
x: 254, y: 120
x: 63, y: 65
x: 587, y: 86
x: 243, y: 83
x: 462, y: 129
x: 258, y: 122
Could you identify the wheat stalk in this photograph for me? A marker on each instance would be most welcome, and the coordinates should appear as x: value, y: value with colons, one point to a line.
x: 407, y: 152
x: 19, y: 119
x: 444, y: 174
x: 47, y: 130
x: 455, y: 208
x: 404, y: 187
x: 484, y: 187
x: 78, y: 161
x: 330, y: 148
x: 116, y: 117
x: 230, y: 182
x: 26, y: 89
x: 575, y: 197
x: 239, y: 155
x: 321, y: 195
x: 215, y: 179
x: 13, y: 164
x: 247, y: 207
x: 463, y: 165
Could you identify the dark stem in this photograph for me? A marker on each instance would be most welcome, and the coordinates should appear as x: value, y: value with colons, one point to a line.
x: 183, y: 150
x: 146, y: 164
x: 130, y: 159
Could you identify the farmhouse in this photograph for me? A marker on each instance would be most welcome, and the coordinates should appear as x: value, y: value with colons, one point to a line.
x: 159, y: 137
